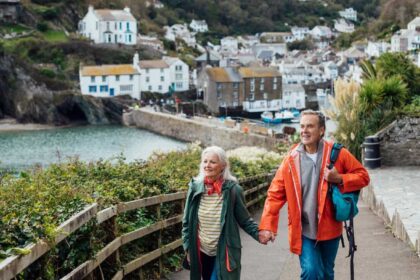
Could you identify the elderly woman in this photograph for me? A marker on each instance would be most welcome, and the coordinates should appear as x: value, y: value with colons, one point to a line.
x: 214, y: 208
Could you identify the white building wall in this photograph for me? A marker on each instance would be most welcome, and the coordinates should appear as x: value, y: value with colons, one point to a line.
x: 179, y: 75
x: 110, y: 86
x: 155, y: 80
x: 93, y: 28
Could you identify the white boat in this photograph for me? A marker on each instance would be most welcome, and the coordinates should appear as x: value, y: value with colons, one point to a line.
x: 279, y: 117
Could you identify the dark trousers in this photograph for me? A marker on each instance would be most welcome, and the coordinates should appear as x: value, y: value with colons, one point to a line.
x: 317, y: 259
x: 207, y: 265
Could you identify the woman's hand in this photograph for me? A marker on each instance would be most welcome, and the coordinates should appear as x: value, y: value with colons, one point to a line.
x: 188, y: 256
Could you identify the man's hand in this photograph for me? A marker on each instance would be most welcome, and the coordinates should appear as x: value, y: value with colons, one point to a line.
x: 265, y: 235
x: 332, y: 176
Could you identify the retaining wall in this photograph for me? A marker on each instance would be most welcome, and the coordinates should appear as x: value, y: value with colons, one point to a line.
x: 191, y: 130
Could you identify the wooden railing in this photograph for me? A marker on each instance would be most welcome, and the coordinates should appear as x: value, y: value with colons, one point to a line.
x: 12, y: 266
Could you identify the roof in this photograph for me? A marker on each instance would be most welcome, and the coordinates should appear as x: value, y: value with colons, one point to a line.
x: 114, y: 15
x: 266, y: 54
x: 170, y: 60
x: 213, y: 57
x: 258, y: 72
x: 145, y: 64
x: 292, y: 87
x: 107, y: 70
x: 415, y: 21
x: 223, y: 75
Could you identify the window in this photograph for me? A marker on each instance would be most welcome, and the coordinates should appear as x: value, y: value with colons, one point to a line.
x: 129, y: 38
x: 103, y: 88
x: 107, y: 25
x: 162, y: 79
x: 160, y: 87
x: 261, y: 86
x: 131, y: 77
x: 251, y: 96
x: 275, y: 86
x: 126, y: 88
x: 128, y: 26
x: 92, y: 79
x: 178, y: 76
x: 265, y: 95
x: 219, y: 95
x: 120, y: 25
x: 219, y: 86
x: 178, y: 68
x: 275, y: 80
x: 147, y: 79
x: 92, y: 88
x: 150, y: 88
x: 161, y: 70
x: 147, y: 71
x: 115, y: 25
x: 103, y: 78
x: 117, y: 78
x: 235, y: 85
x: 262, y: 80
x: 179, y: 85
x: 235, y: 96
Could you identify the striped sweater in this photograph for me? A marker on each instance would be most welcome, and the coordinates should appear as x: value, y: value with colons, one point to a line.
x: 209, y: 215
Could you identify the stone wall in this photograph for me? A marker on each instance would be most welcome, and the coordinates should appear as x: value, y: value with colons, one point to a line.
x: 400, y: 143
x: 191, y: 130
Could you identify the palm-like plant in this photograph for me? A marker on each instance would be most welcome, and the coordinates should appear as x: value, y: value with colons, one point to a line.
x: 368, y: 70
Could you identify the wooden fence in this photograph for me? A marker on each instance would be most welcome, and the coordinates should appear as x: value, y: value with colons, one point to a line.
x: 12, y: 266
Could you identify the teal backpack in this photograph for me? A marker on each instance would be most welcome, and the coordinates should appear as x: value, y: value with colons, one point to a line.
x: 345, y: 208
x: 345, y: 204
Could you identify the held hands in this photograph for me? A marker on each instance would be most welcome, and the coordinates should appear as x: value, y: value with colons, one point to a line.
x: 265, y: 235
x: 332, y: 176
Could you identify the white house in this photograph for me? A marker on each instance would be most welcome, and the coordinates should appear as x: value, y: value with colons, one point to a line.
x: 349, y: 13
x: 109, y: 26
x: 300, y: 33
x: 111, y: 80
x: 248, y: 40
x: 293, y: 96
x: 321, y: 32
x: 279, y: 49
x: 164, y: 75
x: 180, y: 31
x: 330, y: 70
x: 414, y: 24
x: 376, y: 49
x: 300, y: 72
x: 199, y: 26
x: 229, y: 44
x: 343, y: 26
x: 276, y: 37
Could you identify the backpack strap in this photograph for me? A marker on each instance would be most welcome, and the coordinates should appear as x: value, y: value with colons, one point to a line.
x: 335, y: 151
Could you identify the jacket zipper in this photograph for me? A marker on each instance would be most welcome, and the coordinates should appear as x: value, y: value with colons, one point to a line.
x: 297, y: 197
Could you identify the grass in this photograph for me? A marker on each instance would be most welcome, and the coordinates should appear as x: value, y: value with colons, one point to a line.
x: 55, y: 36
x: 8, y: 28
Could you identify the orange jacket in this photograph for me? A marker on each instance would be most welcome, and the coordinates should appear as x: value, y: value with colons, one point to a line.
x: 286, y: 187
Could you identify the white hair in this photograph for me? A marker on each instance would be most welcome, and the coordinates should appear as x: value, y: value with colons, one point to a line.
x: 221, y: 154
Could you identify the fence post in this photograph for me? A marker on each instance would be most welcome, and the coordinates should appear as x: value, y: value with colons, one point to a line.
x: 158, y: 216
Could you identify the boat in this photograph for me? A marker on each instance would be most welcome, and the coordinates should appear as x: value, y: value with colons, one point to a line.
x: 279, y: 117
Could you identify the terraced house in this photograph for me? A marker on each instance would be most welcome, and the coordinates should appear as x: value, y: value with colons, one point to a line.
x: 246, y: 89
x: 111, y: 80
x: 109, y: 26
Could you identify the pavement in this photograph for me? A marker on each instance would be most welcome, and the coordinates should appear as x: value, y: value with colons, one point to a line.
x: 380, y: 255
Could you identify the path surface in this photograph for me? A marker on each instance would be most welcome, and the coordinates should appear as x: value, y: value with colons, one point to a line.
x: 380, y: 256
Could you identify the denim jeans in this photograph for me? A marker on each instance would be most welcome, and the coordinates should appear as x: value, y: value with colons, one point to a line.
x: 317, y: 259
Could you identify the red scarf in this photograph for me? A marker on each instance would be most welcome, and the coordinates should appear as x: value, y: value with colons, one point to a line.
x: 214, y: 186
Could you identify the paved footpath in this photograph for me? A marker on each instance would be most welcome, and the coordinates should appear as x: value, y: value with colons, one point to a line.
x: 380, y: 256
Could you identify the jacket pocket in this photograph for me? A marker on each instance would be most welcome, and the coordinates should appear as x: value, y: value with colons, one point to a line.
x: 233, y: 254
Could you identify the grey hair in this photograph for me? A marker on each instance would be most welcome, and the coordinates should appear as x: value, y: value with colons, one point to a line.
x: 221, y: 154
x: 319, y: 114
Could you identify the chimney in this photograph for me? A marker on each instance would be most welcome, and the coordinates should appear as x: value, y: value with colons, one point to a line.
x: 136, y: 59
x: 90, y: 9
x: 127, y: 9
x: 208, y: 56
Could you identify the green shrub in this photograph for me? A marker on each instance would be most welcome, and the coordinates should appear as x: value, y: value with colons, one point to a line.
x: 47, y: 73
x: 42, y: 26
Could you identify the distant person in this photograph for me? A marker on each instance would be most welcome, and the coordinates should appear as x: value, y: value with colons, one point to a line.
x: 214, y: 208
x: 302, y: 181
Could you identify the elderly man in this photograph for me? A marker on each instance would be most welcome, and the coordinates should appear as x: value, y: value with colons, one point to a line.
x: 302, y: 181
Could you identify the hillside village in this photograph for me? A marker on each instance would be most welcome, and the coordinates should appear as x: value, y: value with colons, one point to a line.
x: 245, y: 74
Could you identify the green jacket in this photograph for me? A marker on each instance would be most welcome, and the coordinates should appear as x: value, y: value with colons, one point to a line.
x: 229, y: 241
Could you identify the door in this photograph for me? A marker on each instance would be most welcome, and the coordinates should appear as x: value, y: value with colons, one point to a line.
x: 111, y: 92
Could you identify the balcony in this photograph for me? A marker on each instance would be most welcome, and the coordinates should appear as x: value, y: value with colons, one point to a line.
x: 262, y: 105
